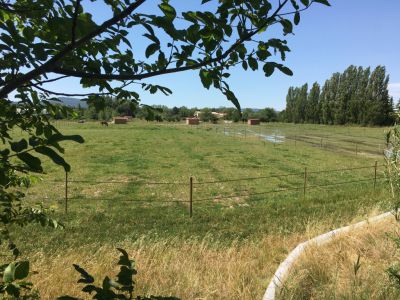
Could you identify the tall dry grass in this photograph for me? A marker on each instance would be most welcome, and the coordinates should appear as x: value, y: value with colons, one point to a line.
x: 187, y: 269
x: 328, y: 272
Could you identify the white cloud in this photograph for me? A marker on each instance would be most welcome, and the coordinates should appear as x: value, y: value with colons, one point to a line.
x: 394, y: 90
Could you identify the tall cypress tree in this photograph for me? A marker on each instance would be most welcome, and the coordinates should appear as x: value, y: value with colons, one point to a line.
x: 290, y: 104
x: 300, y: 103
x: 331, y: 97
x: 379, y: 103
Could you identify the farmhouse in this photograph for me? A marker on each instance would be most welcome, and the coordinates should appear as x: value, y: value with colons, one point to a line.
x: 120, y: 120
x: 218, y: 115
x: 192, y: 121
x: 253, y: 121
x: 129, y: 118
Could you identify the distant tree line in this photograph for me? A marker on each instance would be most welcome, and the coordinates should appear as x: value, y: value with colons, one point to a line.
x: 110, y: 107
x: 356, y: 96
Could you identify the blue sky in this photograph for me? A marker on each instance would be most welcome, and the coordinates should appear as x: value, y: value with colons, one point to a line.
x: 327, y: 40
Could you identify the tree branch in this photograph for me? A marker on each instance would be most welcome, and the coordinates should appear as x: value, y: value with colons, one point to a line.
x: 45, y: 81
x: 51, y: 63
x: 81, y: 74
x: 71, y: 95
x: 81, y: 95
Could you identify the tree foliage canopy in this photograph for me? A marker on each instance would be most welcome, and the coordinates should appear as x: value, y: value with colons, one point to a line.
x: 50, y: 40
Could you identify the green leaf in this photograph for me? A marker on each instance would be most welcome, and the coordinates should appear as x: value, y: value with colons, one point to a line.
x: 152, y: 38
x: 33, y: 162
x: 86, y: 277
x: 106, y: 283
x: 324, y: 2
x: 253, y: 63
x: 295, y: 5
x: 16, y: 271
x: 58, y: 137
x: 21, y: 270
x: 19, y: 146
x: 296, y: 18
x: 5, y: 152
x: 285, y: 70
x: 151, y: 49
x: 287, y: 26
x: 168, y: 11
x: 206, y: 78
x: 124, y: 258
x: 13, y: 290
x: 231, y: 97
x: 228, y: 30
x: 305, y: 2
x: 54, y: 157
x: 124, y: 277
x: 8, y: 275
x: 269, y: 68
x: 29, y: 33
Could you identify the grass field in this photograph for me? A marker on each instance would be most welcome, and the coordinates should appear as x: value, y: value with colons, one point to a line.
x: 129, y: 187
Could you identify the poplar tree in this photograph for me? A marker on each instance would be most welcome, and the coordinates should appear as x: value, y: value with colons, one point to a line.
x: 355, y: 96
x: 290, y: 102
x: 313, y: 107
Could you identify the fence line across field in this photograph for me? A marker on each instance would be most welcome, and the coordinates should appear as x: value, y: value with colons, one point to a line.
x: 322, y: 142
x: 120, y: 182
x: 275, y: 129
x: 141, y: 182
x: 286, y: 189
x: 192, y: 185
x: 216, y: 197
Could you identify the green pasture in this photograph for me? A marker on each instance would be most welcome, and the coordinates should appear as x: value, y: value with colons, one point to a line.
x: 133, y: 180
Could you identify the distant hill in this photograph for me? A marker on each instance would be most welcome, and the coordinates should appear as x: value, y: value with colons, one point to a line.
x: 71, y: 102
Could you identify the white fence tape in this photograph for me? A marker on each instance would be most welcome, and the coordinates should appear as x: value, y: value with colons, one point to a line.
x: 284, y: 268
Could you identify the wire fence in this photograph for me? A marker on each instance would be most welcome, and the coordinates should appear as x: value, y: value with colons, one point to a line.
x: 192, y: 191
x: 278, y: 137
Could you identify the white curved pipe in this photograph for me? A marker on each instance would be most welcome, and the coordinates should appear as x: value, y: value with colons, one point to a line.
x: 283, y: 270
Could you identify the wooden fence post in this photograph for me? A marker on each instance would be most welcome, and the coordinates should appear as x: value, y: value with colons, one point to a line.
x: 321, y: 142
x: 305, y: 181
x: 375, y: 170
x: 66, y: 192
x: 356, y: 148
x: 190, y: 196
x: 295, y: 140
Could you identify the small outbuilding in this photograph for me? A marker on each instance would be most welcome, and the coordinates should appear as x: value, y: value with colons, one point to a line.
x: 192, y: 121
x: 253, y: 121
x: 120, y: 120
